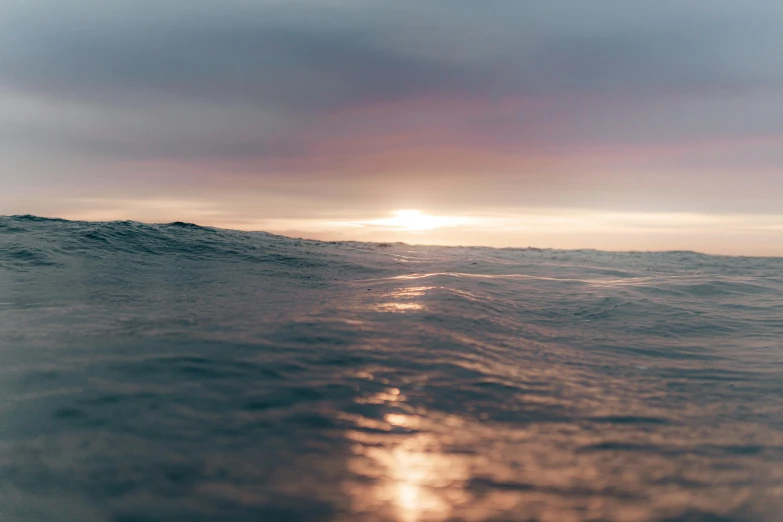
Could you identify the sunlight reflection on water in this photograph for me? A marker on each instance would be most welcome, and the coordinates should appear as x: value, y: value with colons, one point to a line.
x: 403, y: 299
x: 410, y: 477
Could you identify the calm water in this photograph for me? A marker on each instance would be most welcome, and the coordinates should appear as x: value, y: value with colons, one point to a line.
x: 177, y: 373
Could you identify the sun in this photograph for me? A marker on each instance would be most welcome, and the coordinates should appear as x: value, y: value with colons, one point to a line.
x: 415, y: 220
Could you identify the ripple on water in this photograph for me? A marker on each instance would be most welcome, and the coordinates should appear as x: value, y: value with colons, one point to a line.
x: 182, y: 373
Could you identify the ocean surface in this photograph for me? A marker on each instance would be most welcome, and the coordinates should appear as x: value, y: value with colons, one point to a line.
x: 169, y: 373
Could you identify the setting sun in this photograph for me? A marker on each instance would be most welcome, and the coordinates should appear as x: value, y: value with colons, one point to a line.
x: 416, y: 220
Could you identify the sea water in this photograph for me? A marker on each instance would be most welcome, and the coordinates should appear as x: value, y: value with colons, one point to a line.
x: 171, y: 373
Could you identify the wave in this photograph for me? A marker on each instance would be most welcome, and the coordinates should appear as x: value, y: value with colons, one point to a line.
x: 180, y: 372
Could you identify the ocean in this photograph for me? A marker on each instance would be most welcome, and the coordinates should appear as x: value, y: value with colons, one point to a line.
x: 166, y: 373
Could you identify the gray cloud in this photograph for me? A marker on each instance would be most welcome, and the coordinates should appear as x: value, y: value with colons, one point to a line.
x: 221, y: 57
x: 330, y: 54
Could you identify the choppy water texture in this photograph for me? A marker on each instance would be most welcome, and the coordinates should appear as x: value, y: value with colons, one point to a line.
x: 179, y: 373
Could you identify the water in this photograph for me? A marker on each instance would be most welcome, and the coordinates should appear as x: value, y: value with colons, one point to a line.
x: 179, y: 373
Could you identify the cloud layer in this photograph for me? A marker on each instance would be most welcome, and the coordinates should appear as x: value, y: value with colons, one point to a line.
x: 355, y: 108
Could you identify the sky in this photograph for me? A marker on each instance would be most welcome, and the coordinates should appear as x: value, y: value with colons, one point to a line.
x: 610, y: 124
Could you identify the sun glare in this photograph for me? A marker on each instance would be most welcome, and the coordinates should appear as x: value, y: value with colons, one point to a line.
x: 416, y: 220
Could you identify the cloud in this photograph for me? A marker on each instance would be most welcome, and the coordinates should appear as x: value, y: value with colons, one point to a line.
x: 322, y: 55
x: 222, y: 55
x: 447, y: 103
